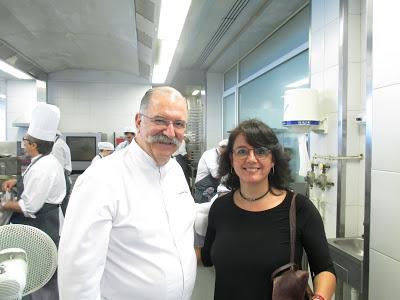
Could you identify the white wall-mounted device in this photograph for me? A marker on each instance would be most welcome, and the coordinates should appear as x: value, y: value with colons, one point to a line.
x: 301, y: 115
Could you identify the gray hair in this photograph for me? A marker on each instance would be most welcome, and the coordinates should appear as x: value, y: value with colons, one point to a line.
x: 166, y: 90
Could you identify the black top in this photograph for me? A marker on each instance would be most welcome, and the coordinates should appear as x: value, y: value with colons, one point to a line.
x: 246, y: 247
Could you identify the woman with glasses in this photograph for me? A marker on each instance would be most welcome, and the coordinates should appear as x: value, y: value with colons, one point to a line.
x: 248, y: 229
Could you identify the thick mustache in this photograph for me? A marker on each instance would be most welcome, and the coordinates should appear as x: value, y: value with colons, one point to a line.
x: 160, y: 138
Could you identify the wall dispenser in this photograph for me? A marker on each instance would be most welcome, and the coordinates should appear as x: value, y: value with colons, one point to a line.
x: 301, y: 115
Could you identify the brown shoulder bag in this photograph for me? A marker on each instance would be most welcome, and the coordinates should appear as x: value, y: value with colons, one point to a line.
x: 289, y: 281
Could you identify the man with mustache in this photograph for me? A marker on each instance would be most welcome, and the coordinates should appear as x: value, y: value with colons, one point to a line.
x: 128, y: 232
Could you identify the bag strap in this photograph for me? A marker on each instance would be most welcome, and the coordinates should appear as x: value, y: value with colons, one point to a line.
x: 292, y: 221
x: 288, y: 266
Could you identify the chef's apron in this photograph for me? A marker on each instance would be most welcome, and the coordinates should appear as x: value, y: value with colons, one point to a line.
x: 205, y: 189
x: 68, y: 186
x: 47, y: 218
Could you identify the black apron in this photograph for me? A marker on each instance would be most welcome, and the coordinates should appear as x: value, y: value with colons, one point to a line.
x: 47, y: 218
x: 205, y: 189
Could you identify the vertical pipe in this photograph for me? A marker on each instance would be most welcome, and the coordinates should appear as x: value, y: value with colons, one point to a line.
x: 368, y: 149
x: 342, y: 118
x: 309, y: 80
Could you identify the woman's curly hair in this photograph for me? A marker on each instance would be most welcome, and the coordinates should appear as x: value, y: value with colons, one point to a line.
x: 257, y: 134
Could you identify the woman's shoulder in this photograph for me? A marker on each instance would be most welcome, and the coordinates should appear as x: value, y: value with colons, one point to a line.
x: 223, y: 201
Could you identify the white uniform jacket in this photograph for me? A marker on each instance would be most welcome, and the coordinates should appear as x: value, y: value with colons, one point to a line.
x: 44, y: 182
x: 96, y: 158
x: 62, y: 152
x: 128, y: 232
x: 208, y: 164
x: 122, y: 145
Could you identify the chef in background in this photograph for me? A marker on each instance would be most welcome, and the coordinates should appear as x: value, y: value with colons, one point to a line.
x: 62, y: 152
x: 105, y: 149
x: 129, y: 133
x: 207, y: 180
x: 42, y: 187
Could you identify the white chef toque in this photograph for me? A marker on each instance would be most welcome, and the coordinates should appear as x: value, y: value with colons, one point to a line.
x: 44, y: 122
x: 130, y: 129
x: 105, y: 146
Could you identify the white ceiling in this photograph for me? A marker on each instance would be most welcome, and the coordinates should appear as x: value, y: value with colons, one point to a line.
x: 47, y: 36
x: 57, y: 35
x: 257, y: 19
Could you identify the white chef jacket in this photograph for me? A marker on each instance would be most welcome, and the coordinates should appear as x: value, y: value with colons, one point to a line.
x: 44, y: 182
x: 63, y: 154
x: 122, y: 145
x: 96, y: 158
x: 181, y: 150
x: 208, y: 164
x: 128, y: 232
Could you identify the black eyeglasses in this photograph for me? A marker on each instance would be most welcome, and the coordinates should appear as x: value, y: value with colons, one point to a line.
x: 160, y: 121
x: 259, y: 153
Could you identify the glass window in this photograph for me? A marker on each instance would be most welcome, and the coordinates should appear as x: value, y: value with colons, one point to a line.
x: 230, y: 78
x: 290, y: 36
x: 229, y: 114
x: 262, y: 98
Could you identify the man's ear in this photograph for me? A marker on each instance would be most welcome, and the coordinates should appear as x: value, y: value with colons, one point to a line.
x: 138, y: 121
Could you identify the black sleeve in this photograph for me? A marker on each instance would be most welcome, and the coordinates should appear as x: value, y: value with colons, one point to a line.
x: 209, y: 239
x: 313, y: 236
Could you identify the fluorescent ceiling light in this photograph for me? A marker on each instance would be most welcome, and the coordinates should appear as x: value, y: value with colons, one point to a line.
x: 13, y: 71
x: 172, y: 17
x: 298, y: 83
x: 41, y: 84
x: 2, y: 96
x: 195, y: 92
x: 160, y: 70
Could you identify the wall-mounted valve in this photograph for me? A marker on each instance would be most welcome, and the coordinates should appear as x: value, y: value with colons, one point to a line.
x: 322, y: 182
x: 310, y: 177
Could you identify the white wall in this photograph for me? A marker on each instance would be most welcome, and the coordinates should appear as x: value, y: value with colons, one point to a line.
x: 21, y: 99
x: 325, y: 67
x: 2, y: 110
x: 92, y: 103
x: 213, y: 109
x: 385, y: 173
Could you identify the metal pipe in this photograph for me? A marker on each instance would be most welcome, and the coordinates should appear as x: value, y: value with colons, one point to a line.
x: 332, y: 157
x: 368, y: 151
x: 342, y: 118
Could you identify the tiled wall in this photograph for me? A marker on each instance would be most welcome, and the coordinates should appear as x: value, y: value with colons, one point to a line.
x: 21, y: 99
x: 385, y: 173
x: 325, y: 71
x: 96, y: 106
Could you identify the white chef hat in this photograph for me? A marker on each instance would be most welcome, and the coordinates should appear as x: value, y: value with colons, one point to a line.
x: 223, y: 143
x: 105, y: 146
x: 44, y: 122
x: 130, y: 129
